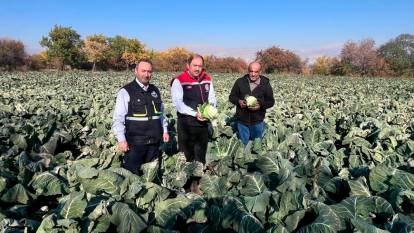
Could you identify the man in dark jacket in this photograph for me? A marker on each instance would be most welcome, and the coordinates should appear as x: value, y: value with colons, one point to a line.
x: 138, y: 121
x: 250, y: 119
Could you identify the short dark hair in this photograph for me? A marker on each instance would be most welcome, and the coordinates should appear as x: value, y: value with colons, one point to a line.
x: 192, y: 57
x: 143, y: 60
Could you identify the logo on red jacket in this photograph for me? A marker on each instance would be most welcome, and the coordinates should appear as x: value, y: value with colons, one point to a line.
x: 189, y: 87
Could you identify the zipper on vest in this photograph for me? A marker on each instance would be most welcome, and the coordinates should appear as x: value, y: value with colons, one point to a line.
x: 251, y: 93
x: 201, y: 93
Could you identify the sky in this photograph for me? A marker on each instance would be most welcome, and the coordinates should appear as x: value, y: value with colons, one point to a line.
x: 222, y: 28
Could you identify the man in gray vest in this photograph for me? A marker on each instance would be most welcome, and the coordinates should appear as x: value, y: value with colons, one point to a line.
x: 138, y: 121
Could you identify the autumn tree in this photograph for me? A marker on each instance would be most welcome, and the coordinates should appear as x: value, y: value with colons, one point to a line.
x: 277, y: 60
x: 117, y: 46
x: 399, y: 54
x: 362, y: 59
x: 323, y: 65
x: 64, y: 45
x: 359, y: 58
x: 96, y: 49
x: 225, y: 64
x: 12, y: 54
x: 37, y: 61
x: 173, y: 59
x: 134, y: 52
x: 125, y: 52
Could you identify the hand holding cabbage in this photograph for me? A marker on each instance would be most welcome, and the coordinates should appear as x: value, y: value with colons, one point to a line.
x: 207, y: 111
x: 252, y: 102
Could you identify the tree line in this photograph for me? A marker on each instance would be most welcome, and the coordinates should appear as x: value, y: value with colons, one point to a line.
x: 65, y: 50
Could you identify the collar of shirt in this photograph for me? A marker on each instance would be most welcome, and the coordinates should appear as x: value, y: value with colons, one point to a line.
x: 257, y: 81
x: 142, y: 85
x: 253, y: 84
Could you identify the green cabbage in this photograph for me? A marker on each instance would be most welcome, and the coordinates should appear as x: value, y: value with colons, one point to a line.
x: 208, y: 111
x: 251, y: 101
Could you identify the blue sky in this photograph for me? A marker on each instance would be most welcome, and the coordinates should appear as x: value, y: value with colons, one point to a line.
x: 236, y: 28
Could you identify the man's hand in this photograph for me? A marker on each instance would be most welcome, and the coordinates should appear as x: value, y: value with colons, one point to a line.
x: 255, y: 108
x: 166, y: 137
x: 199, y: 117
x: 242, y: 103
x: 123, y: 146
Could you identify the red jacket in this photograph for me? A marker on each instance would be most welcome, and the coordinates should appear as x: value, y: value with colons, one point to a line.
x: 195, y: 93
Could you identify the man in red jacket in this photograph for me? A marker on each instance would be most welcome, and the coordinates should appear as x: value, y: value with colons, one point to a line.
x: 190, y: 89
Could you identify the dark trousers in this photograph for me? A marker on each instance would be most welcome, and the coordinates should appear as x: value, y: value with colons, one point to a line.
x: 138, y: 155
x: 192, y: 141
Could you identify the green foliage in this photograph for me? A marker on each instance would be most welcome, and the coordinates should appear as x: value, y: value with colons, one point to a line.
x: 124, y: 52
x: 64, y: 46
x: 337, y: 155
x: 399, y: 54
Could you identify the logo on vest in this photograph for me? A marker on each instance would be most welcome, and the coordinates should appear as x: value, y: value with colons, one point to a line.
x: 154, y: 94
x: 138, y: 100
x: 189, y: 87
x: 207, y: 87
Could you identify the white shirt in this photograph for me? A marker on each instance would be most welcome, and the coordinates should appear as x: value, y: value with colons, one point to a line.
x: 177, y: 94
x: 121, y: 110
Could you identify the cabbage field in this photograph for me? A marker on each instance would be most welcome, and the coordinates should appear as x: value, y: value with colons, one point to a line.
x: 337, y: 156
